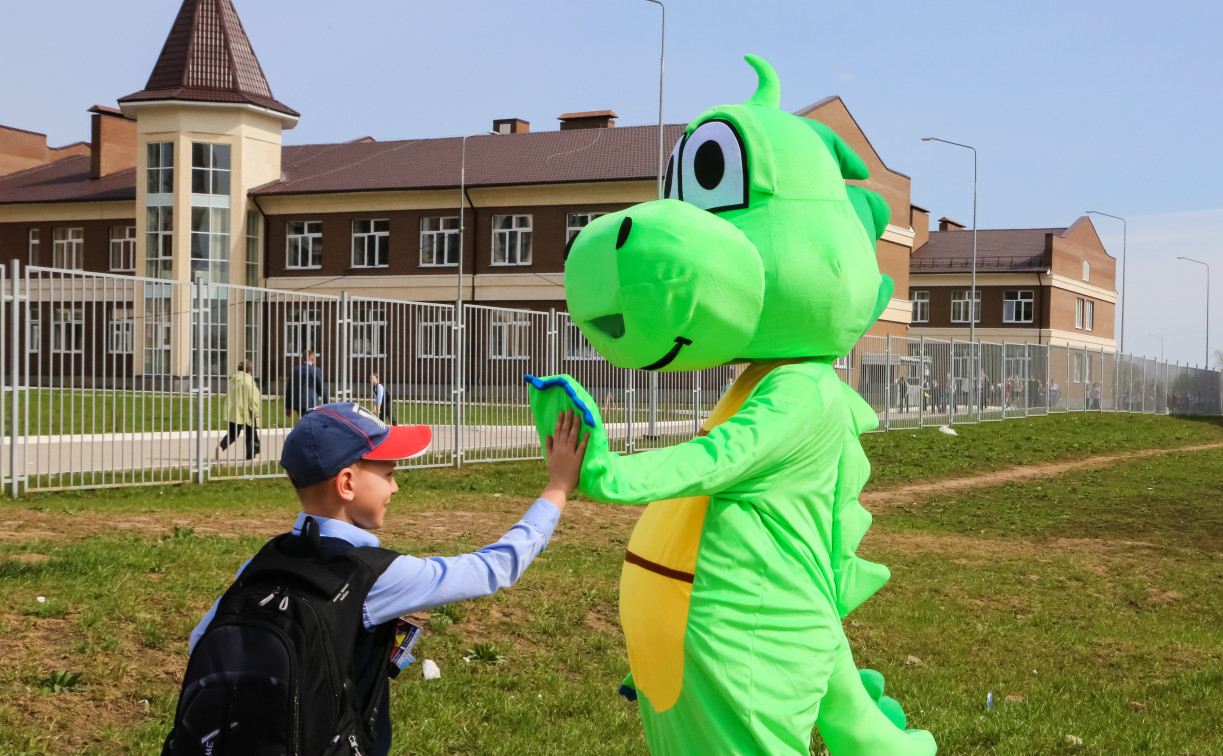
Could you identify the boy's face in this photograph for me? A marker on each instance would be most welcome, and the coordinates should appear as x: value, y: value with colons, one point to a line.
x: 372, y: 485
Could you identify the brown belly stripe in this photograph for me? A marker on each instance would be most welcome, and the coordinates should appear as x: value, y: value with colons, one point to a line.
x: 655, y: 567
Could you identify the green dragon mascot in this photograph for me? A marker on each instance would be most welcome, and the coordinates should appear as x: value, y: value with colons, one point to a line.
x: 739, y: 573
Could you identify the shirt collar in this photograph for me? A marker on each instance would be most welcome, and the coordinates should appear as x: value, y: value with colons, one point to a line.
x: 329, y: 528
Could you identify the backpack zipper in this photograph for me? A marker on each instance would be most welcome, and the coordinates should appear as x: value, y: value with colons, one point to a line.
x: 352, y: 742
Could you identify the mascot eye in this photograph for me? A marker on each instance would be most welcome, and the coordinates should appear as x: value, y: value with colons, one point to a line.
x: 671, y: 189
x: 713, y: 168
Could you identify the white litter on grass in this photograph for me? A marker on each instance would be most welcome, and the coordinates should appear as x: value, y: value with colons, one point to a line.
x: 1075, y: 739
x: 467, y: 659
x: 947, y: 429
x: 42, y: 599
x: 429, y: 669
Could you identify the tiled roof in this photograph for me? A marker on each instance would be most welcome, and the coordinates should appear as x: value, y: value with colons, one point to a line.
x: 998, y: 250
x: 208, y: 58
x: 543, y: 157
x: 66, y: 180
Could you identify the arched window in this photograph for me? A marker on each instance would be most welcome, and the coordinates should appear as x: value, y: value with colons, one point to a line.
x: 1086, y: 271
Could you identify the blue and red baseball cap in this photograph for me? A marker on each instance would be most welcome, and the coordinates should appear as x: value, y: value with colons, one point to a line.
x: 331, y: 437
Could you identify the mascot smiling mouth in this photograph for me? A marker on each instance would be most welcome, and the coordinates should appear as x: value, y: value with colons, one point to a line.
x: 680, y: 343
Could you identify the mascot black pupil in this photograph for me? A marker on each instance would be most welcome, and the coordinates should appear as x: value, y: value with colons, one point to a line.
x: 709, y: 164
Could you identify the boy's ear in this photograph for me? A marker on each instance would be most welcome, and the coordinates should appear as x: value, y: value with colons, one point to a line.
x: 343, y: 483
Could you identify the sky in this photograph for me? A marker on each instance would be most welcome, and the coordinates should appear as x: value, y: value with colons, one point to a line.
x: 1072, y: 106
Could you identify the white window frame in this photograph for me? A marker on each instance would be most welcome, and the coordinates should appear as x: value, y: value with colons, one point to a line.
x: 1082, y: 368
x: 210, y: 165
x: 506, y: 337
x: 68, y: 248
x: 575, y: 222
x: 435, y: 339
x: 67, y: 333
x: 439, y: 232
x: 1086, y: 271
x: 123, y: 249
x: 369, y: 332
x: 1017, y: 302
x: 121, y: 330
x: 509, y: 242
x: 159, y: 178
x: 159, y: 240
x: 33, y: 243
x: 379, y: 235
x: 308, y: 239
x: 254, y: 225
x: 34, y: 334
x: 1089, y: 315
x: 921, y: 306
x: 303, y: 330
x: 959, y: 303
x: 576, y: 345
x: 1078, y: 313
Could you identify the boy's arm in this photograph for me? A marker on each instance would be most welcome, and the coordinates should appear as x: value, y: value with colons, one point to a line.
x: 411, y: 584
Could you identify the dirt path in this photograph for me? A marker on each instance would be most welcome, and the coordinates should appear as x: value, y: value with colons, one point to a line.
x: 479, y: 519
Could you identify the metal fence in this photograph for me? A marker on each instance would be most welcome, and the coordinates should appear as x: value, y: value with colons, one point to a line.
x: 119, y: 380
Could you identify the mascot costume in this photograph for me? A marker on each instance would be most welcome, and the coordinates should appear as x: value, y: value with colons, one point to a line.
x: 737, y: 576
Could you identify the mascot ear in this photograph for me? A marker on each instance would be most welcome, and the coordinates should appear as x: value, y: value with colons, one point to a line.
x: 872, y: 210
x: 886, y: 287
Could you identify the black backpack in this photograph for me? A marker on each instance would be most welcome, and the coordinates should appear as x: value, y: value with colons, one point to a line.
x: 273, y: 673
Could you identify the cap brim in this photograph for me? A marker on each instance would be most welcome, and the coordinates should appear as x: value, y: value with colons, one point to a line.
x: 403, y: 442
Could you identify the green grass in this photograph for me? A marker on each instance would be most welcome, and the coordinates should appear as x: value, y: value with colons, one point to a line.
x: 1103, y: 581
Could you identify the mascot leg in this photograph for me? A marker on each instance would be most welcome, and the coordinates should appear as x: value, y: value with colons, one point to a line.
x: 856, y: 719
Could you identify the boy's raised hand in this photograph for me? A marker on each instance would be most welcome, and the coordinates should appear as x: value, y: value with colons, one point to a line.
x: 564, y: 453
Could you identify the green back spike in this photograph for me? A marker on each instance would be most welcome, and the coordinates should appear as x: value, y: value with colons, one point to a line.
x: 768, y: 91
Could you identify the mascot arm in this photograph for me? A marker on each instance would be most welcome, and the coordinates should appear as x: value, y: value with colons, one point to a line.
x: 755, y: 440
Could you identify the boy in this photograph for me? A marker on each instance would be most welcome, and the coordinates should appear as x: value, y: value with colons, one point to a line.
x: 341, y: 459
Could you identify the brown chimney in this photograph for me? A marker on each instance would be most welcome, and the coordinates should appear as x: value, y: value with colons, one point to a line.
x: 511, y: 126
x: 947, y: 224
x: 114, y: 142
x: 594, y: 119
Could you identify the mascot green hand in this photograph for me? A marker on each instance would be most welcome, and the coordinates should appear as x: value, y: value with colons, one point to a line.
x: 740, y: 571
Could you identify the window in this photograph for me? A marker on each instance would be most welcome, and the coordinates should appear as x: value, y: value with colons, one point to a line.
x: 1082, y: 368
x: 575, y: 222
x: 160, y: 171
x: 1078, y: 313
x: 67, y: 330
x: 507, y: 336
x: 303, y: 331
x: 34, y: 337
x: 511, y: 240
x: 210, y: 244
x: 157, y: 329
x: 368, y: 329
x: 371, y: 243
x: 34, y: 244
x: 209, y: 168
x: 1089, y: 315
x: 439, y: 241
x: 576, y: 345
x: 159, y: 242
x: 960, y: 306
x: 121, y: 332
x: 253, y: 220
x: 123, y: 248
x: 1086, y: 271
x: 303, y: 245
x: 435, y: 339
x: 68, y: 248
x: 921, y: 306
x: 1018, y: 306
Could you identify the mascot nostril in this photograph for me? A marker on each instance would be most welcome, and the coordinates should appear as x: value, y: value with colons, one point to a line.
x: 739, y: 573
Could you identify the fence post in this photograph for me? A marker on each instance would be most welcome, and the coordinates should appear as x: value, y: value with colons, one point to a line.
x: 15, y: 436
x: 888, y: 385
x: 696, y: 402
x: 554, y: 344
x: 458, y: 382
x: 343, y: 346
x: 921, y: 382
x: 630, y: 407
x: 653, y: 428
x: 197, y: 378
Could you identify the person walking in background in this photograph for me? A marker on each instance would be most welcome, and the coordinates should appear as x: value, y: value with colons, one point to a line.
x: 241, y: 410
x: 382, y: 400
x: 902, y: 393
x: 305, y: 388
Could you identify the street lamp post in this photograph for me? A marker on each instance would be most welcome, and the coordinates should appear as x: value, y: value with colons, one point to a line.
x: 1199, y: 262
x: 1161, y: 344
x: 1124, y: 278
x: 662, y: 59
x: 972, y: 296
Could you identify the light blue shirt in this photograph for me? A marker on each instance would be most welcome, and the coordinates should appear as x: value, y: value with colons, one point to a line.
x: 411, y: 584
x: 379, y: 394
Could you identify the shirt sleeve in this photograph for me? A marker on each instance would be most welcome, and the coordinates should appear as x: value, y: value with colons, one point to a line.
x: 412, y: 584
x: 204, y: 623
